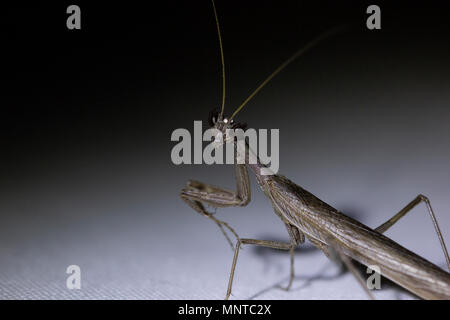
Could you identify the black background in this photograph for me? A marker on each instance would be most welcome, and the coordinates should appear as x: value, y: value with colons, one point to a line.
x: 72, y: 86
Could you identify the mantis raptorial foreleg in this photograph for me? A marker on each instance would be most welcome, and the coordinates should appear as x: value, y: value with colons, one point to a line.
x: 196, y: 193
x: 420, y: 198
x: 198, y: 206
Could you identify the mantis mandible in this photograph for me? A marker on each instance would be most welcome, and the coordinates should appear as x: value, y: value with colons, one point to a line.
x: 306, y: 216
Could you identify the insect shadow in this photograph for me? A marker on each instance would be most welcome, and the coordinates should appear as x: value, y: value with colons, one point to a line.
x: 307, y: 280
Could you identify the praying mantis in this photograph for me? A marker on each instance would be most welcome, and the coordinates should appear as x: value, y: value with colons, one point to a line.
x: 307, y: 217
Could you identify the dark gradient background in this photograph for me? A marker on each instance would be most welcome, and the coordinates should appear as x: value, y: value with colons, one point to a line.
x: 86, y: 176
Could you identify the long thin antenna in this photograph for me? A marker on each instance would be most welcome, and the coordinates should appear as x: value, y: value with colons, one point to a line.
x: 223, y: 59
x: 308, y: 46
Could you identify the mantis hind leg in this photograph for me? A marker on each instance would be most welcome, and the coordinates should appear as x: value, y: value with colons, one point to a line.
x: 420, y: 198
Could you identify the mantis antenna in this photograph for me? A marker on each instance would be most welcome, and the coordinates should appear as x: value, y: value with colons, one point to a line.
x: 222, y: 58
x: 301, y: 51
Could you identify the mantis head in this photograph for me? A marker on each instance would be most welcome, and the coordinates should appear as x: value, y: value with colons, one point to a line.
x: 222, y: 123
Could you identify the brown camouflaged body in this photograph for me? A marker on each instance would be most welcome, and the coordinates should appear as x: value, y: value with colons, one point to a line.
x: 320, y: 223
